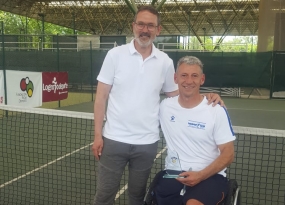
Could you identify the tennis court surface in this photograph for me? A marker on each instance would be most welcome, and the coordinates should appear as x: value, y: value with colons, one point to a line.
x: 46, y: 158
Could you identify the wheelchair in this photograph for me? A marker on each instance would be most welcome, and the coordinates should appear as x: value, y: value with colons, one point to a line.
x: 232, y: 198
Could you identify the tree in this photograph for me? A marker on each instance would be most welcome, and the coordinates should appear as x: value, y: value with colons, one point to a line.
x: 16, y: 24
x: 28, y: 32
x: 230, y: 44
x: 241, y: 44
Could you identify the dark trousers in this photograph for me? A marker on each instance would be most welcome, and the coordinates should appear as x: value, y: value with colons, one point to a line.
x: 115, y: 156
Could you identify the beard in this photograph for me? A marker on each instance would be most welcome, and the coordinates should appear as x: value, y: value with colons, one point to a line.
x: 144, y: 44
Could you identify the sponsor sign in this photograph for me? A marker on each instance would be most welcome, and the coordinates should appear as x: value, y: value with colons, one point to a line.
x: 24, y: 88
x: 2, y: 92
x: 55, y: 86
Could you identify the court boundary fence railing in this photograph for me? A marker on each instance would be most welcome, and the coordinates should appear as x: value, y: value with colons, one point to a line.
x: 201, y: 47
x: 53, y: 46
x: 74, y: 42
x: 229, y: 92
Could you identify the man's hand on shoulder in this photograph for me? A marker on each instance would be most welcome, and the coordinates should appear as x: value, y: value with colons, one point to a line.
x: 215, y: 99
x: 172, y: 94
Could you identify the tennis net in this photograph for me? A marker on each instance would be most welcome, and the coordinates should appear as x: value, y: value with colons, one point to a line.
x: 46, y: 158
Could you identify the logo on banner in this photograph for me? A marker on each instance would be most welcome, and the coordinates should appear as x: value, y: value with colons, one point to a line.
x: 23, y: 88
x: 27, y: 85
x: 54, y: 87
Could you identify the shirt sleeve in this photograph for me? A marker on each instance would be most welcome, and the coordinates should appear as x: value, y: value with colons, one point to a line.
x: 169, y: 84
x: 223, y: 131
x: 107, y: 71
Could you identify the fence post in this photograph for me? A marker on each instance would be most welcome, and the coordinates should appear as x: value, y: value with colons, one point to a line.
x: 57, y: 60
x: 272, y: 74
x: 4, y: 63
x: 91, y: 66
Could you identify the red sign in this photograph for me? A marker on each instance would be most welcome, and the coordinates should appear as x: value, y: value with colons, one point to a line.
x: 55, y: 86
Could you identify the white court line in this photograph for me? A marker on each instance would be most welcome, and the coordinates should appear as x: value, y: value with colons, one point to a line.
x: 255, y: 109
x: 43, y: 166
x: 122, y: 190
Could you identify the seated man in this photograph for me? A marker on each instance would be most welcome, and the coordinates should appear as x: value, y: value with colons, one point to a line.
x: 199, y: 140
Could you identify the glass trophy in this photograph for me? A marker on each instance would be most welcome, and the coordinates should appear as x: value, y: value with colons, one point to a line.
x: 173, y: 165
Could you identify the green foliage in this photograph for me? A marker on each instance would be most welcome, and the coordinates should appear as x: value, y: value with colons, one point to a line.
x: 16, y: 24
x: 234, y: 44
x: 243, y: 44
x: 33, y: 32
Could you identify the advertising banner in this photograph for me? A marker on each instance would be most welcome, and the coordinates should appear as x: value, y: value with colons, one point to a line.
x: 24, y: 88
x: 2, y: 94
x: 55, y: 86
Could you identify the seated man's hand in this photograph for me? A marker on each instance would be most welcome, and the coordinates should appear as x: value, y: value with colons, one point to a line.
x: 191, y: 178
x: 215, y: 99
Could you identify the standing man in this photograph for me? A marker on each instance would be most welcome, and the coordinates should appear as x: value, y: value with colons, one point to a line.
x: 131, y: 78
x: 199, y: 139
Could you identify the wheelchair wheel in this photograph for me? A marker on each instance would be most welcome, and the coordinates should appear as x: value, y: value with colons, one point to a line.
x: 233, y: 196
x: 149, y: 198
x: 237, y: 200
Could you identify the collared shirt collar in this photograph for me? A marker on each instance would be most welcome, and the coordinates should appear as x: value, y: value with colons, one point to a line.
x: 133, y: 50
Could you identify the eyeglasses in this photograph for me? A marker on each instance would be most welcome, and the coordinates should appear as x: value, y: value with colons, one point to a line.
x: 141, y: 26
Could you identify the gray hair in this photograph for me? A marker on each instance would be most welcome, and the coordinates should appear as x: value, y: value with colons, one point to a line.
x: 150, y: 9
x: 190, y: 60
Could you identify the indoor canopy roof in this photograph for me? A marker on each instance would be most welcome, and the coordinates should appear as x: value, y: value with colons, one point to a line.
x: 114, y: 17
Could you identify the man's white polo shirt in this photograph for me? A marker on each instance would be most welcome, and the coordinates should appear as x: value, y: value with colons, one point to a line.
x: 133, y: 104
x: 194, y: 134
